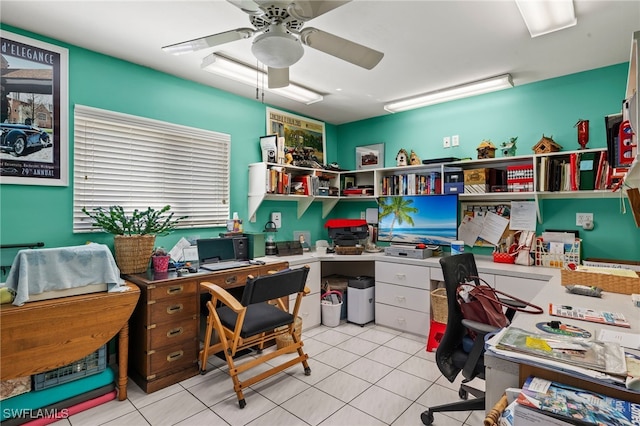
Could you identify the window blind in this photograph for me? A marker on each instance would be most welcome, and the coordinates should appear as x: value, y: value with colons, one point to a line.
x: 137, y: 162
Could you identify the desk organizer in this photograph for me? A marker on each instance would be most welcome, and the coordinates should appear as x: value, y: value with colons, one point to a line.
x: 612, y: 283
x: 349, y: 249
x: 91, y: 364
x: 557, y: 260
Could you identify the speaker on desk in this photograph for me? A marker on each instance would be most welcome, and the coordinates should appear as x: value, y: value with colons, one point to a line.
x: 241, y: 248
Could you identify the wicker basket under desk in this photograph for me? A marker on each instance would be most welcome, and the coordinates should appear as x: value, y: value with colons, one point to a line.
x: 612, y: 283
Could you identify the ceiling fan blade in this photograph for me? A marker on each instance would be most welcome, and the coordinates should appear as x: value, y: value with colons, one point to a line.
x: 208, y: 41
x: 339, y: 47
x: 278, y: 77
x: 248, y: 6
x: 308, y: 9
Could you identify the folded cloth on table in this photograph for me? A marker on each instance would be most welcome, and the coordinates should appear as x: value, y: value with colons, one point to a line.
x: 35, y: 271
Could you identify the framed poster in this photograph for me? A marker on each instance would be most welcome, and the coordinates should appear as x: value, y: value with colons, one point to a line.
x: 303, y: 137
x: 370, y: 156
x: 34, y: 149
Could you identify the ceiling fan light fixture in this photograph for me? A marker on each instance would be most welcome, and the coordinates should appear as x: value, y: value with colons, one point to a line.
x: 246, y: 74
x: 277, y: 49
x: 546, y: 16
x: 452, y: 93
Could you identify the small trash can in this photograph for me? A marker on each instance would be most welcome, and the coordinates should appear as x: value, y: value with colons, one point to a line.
x: 331, y: 305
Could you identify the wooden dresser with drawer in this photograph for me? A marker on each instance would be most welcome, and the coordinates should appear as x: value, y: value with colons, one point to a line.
x: 164, y: 328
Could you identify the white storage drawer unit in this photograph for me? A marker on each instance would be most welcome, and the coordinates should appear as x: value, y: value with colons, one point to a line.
x: 402, y: 297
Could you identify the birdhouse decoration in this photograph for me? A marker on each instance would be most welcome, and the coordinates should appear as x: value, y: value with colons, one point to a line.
x: 546, y: 145
x: 402, y: 158
x: 509, y: 148
x: 414, y: 160
x: 486, y: 149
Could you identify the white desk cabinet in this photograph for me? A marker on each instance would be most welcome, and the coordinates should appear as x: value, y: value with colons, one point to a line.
x: 310, y: 306
x: 402, y: 296
x: 523, y: 288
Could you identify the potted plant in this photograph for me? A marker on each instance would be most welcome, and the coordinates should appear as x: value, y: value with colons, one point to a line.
x: 160, y: 260
x: 135, y: 234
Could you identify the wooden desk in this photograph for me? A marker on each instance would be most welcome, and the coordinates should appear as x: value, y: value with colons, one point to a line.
x: 165, y: 326
x: 44, y: 335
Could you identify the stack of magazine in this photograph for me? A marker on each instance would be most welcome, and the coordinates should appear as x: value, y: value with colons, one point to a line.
x: 545, y: 402
x: 605, y: 357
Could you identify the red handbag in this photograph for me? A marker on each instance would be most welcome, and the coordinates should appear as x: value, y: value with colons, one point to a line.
x: 483, y: 305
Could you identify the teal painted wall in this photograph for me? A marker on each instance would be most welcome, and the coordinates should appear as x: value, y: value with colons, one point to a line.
x: 551, y: 107
x: 39, y: 213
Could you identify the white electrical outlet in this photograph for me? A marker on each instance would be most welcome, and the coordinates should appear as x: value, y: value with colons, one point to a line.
x: 276, y: 218
x: 582, y: 218
x: 455, y: 140
x: 363, y: 215
x: 446, y: 142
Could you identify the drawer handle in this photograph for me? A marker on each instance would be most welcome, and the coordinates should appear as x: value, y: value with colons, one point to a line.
x: 401, y: 276
x: 232, y: 279
x: 174, y: 356
x: 175, y: 289
x: 175, y: 332
x: 174, y: 309
x: 401, y: 320
x: 401, y: 299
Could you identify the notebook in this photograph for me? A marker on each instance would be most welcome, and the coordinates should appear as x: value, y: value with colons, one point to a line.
x: 216, y: 254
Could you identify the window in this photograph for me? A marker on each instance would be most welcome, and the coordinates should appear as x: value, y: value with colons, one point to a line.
x: 137, y: 162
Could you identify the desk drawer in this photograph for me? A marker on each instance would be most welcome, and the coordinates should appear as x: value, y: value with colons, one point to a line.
x: 402, y: 319
x: 172, y: 309
x: 178, y: 289
x: 238, y: 277
x: 171, y: 333
x: 171, y: 358
x: 309, y: 310
x: 401, y: 274
x: 403, y: 297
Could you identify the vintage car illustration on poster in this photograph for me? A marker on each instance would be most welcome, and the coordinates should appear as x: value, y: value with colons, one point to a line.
x: 19, y: 139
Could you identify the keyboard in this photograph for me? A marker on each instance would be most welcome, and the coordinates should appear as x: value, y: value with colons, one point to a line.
x: 225, y: 265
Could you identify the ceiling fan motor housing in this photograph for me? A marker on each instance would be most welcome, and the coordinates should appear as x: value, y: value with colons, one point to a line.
x: 277, y: 48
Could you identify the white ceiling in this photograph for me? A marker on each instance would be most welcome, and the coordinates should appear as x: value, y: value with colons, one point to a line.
x: 428, y: 45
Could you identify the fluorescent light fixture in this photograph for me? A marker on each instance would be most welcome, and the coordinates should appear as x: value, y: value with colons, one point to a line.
x: 546, y: 16
x: 248, y: 75
x: 457, y: 92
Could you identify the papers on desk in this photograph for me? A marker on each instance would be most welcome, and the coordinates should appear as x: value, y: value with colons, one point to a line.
x: 608, y: 358
x: 626, y: 340
x: 491, y: 346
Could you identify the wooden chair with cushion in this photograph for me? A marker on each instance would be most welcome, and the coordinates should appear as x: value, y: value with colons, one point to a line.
x: 258, y: 318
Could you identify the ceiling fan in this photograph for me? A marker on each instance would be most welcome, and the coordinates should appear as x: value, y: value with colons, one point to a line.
x: 280, y: 36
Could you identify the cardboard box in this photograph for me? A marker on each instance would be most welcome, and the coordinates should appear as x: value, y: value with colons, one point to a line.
x: 477, y: 176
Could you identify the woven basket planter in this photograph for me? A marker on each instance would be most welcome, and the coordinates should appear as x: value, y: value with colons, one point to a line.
x: 439, y: 306
x: 133, y: 252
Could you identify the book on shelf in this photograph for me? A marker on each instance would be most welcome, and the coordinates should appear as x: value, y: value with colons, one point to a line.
x: 574, y: 405
x: 586, y: 314
x: 598, y: 356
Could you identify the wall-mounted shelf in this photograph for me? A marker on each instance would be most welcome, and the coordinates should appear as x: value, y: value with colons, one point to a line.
x: 261, y: 187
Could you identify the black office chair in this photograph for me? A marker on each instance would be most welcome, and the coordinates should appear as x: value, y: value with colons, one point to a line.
x: 457, y: 351
x: 258, y: 318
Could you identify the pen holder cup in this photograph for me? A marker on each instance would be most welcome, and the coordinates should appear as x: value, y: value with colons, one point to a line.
x: 160, y: 263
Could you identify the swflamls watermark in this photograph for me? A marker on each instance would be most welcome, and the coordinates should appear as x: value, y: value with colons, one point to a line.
x: 40, y: 413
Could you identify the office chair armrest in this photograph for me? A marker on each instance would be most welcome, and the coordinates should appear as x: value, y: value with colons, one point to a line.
x: 219, y: 293
x: 479, y: 327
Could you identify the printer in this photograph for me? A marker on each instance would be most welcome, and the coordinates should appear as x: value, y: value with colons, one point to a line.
x: 347, y: 232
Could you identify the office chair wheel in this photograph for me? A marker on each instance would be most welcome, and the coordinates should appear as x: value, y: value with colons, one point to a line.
x: 307, y: 371
x: 426, y: 417
x: 242, y: 403
x: 463, y: 394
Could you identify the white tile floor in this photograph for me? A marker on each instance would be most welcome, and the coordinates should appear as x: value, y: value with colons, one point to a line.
x: 359, y: 376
